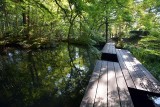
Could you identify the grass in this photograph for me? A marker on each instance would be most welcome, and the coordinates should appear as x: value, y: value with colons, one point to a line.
x: 147, y: 50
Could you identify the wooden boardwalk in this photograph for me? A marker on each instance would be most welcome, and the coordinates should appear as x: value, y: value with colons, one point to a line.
x: 108, y: 85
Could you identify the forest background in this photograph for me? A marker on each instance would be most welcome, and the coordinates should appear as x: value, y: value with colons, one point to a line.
x: 30, y: 24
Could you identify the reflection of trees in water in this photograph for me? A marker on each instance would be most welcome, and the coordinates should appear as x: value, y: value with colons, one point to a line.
x: 52, y: 77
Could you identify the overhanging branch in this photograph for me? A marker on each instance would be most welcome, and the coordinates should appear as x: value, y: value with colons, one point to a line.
x: 63, y: 9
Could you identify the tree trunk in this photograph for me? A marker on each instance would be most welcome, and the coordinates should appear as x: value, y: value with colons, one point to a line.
x: 26, y: 22
x: 80, y: 27
x: 107, y: 29
x: 4, y: 14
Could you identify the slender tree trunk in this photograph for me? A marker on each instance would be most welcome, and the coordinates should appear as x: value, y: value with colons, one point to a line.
x: 24, y: 15
x: 70, y: 32
x: 5, y: 17
x: 16, y: 22
x: 80, y: 27
x: 107, y: 29
x: 26, y: 22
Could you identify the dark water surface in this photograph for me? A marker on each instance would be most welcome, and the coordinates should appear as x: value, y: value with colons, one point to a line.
x: 45, y: 78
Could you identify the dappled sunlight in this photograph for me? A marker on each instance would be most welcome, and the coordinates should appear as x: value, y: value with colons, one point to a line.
x: 111, y: 75
x: 115, y: 78
x: 142, y: 78
x: 91, y: 90
x: 125, y: 56
x: 48, y: 50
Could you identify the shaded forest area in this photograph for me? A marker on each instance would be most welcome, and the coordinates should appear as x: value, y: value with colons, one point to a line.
x: 46, y: 23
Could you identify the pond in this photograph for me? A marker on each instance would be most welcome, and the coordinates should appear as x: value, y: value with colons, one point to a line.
x: 46, y: 78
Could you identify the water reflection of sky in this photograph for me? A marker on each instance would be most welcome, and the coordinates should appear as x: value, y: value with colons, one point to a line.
x: 156, y: 100
x: 49, y: 68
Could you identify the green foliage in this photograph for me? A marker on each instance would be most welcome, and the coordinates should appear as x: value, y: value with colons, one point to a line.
x: 119, y: 42
x: 150, y: 42
x: 42, y: 6
x: 155, y: 32
x: 98, y: 39
x: 72, y: 19
x: 127, y: 16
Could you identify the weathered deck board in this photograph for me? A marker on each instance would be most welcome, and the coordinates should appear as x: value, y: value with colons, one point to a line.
x: 110, y: 81
x: 137, y: 81
x: 148, y: 74
x: 105, y: 48
x: 114, y: 49
x: 113, y: 96
x: 149, y: 80
x: 109, y: 48
x: 146, y: 82
x: 124, y: 94
x: 88, y: 99
x: 125, y: 72
x: 101, y: 96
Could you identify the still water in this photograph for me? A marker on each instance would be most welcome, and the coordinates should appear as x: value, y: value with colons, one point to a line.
x: 45, y: 78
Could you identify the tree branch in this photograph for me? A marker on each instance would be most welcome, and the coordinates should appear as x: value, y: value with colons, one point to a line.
x: 101, y: 25
x: 63, y: 9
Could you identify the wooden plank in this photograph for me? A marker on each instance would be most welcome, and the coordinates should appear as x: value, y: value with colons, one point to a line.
x: 137, y: 81
x: 149, y: 86
x: 105, y: 48
x: 113, y: 96
x: 148, y: 74
x: 125, y: 72
x: 137, y: 70
x: 89, y: 97
x: 109, y: 48
x: 124, y: 94
x: 149, y: 81
x: 114, y: 50
x: 101, y: 96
